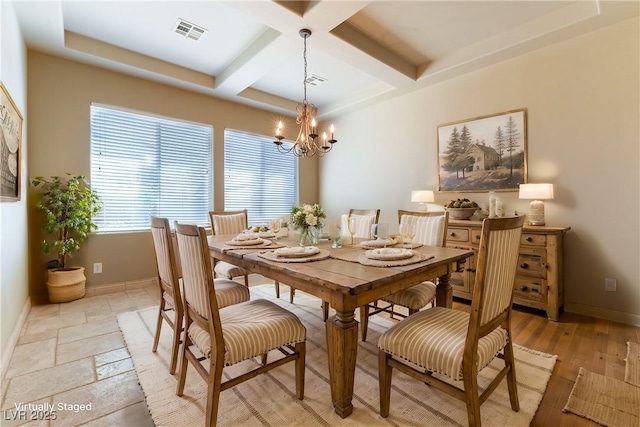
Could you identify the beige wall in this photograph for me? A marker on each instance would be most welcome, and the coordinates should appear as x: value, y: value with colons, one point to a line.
x: 582, y: 98
x: 60, y: 93
x: 13, y: 215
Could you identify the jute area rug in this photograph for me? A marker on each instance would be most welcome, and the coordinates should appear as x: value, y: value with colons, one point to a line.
x: 609, y: 401
x: 269, y: 399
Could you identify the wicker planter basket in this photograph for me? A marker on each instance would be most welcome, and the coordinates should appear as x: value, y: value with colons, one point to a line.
x: 66, y: 284
x: 461, y: 213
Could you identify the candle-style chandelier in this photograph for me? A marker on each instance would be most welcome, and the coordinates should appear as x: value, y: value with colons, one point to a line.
x: 305, y: 144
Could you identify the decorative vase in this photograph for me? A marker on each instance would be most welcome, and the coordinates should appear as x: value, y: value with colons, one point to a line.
x: 309, y: 234
x: 65, y: 284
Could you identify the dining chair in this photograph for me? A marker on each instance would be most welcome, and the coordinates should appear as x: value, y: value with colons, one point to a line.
x: 365, y: 218
x: 169, y: 279
x: 457, y: 344
x: 229, y: 335
x: 431, y: 230
x: 229, y: 222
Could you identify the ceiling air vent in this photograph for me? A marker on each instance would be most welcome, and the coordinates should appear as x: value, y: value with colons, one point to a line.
x: 314, y: 80
x: 188, y: 30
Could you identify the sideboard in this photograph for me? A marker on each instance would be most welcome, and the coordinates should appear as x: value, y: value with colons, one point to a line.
x: 539, y: 281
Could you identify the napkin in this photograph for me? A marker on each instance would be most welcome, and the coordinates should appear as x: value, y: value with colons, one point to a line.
x: 378, y: 243
x: 297, y: 252
x: 243, y: 237
x: 387, y: 254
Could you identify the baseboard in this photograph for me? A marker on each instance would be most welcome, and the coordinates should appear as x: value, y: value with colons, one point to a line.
x: 13, y: 339
x: 603, y: 313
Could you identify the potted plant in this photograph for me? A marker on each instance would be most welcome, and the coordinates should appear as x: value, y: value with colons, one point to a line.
x: 68, y: 205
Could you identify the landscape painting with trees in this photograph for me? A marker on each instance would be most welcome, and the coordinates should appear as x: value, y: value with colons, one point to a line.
x: 483, y: 154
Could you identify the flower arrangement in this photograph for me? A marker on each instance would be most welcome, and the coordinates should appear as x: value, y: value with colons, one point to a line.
x: 306, y: 216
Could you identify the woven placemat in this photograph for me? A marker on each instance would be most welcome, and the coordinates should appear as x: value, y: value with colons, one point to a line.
x: 417, y: 257
x: 632, y: 369
x: 264, y: 245
x: 271, y: 256
x: 607, y: 401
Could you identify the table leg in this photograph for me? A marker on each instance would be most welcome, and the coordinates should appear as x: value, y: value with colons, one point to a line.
x: 444, y: 292
x: 342, y: 345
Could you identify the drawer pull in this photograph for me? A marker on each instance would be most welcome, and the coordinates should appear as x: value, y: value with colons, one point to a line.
x: 529, y: 239
x: 524, y: 288
x: 452, y: 234
x: 478, y: 237
x: 524, y: 265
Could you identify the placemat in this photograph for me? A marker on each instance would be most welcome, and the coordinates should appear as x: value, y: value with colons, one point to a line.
x: 323, y: 254
x: 418, y: 257
x: 265, y: 244
x: 378, y: 243
x: 408, y: 245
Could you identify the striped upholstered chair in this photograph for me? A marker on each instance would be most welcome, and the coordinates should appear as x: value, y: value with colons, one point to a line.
x: 229, y: 222
x: 169, y: 276
x: 457, y: 344
x: 431, y: 230
x: 229, y: 335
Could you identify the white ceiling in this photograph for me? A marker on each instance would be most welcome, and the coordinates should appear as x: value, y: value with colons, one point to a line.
x: 252, y: 52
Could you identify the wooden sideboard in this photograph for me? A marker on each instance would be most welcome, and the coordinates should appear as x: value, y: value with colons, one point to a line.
x: 539, y: 279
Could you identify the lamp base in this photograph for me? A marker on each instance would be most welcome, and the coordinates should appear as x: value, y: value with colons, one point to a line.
x: 535, y: 215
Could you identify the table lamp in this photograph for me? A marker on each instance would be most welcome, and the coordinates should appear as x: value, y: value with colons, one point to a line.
x: 422, y: 197
x: 537, y: 193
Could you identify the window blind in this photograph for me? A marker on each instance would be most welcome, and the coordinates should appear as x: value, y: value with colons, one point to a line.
x: 145, y: 165
x: 258, y: 177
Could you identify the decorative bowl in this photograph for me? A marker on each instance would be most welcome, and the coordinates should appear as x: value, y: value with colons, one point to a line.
x: 461, y: 213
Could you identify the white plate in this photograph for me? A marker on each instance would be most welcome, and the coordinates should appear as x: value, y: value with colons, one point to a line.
x: 388, y: 254
x: 297, y: 252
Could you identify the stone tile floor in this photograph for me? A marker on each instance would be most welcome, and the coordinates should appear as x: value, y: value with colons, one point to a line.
x: 73, y: 354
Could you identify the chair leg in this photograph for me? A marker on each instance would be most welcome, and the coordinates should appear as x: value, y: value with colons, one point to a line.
x: 277, y: 284
x: 184, y: 364
x: 263, y: 359
x: 177, y: 332
x: 511, y: 375
x: 246, y: 280
x: 471, y: 398
x: 325, y: 310
x: 156, y: 339
x: 300, y: 366
x: 384, y: 378
x: 213, y: 394
x: 292, y: 293
x: 364, y: 321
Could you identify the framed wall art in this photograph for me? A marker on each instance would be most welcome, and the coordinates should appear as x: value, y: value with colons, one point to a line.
x: 487, y: 153
x: 10, y: 147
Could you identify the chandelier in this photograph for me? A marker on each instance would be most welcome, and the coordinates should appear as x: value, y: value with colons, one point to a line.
x: 305, y: 144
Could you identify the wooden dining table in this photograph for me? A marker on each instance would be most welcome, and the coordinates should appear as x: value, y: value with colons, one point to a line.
x: 345, y: 284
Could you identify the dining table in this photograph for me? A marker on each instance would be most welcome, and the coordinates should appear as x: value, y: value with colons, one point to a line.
x: 342, y: 278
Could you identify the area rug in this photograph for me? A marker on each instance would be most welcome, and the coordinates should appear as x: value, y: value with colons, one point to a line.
x: 269, y: 399
x: 609, y: 401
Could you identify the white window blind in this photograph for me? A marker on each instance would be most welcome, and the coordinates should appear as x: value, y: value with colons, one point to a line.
x: 145, y: 165
x: 258, y: 177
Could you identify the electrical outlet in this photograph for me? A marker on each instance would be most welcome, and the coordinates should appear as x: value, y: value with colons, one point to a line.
x: 610, y: 284
x: 97, y: 267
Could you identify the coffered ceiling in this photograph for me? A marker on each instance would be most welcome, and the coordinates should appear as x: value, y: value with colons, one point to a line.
x: 251, y: 52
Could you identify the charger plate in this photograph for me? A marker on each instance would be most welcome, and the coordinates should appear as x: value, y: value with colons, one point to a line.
x: 417, y: 257
x: 271, y: 256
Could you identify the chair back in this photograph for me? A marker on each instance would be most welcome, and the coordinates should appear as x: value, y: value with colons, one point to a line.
x: 228, y: 222
x: 431, y: 227
x: 365, y: 218
x: 497, y: 261
x: 166, y: 258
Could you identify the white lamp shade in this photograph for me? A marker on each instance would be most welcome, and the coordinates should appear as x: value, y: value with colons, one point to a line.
x: 422, y: 196
x: 536, y: 191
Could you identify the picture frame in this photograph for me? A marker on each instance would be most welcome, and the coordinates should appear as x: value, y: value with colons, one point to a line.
x: 10, y: 147
x: 486, y: 153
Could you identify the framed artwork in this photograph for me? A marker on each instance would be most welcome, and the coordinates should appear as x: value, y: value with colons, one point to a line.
x: 10, y: 147
x: 487, y: 153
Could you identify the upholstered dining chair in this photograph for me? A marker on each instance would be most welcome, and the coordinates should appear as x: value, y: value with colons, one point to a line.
x: 365, y: 218
x: 457, y: 344
x: 229, y: 335
x: 229, y: 222
x: 431, y: 230
x: 169, y: 278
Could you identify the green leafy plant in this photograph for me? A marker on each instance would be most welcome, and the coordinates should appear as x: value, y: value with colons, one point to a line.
x: 69, y: 205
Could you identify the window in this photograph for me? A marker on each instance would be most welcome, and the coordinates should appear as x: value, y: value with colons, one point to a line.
x: 258, y: 177
x: 144, y: 165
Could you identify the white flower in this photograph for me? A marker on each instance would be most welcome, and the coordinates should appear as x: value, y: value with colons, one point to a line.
x: 311, y: 219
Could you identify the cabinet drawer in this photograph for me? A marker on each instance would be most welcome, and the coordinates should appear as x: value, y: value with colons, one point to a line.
x: 475, y: 236
x: 529, y: 239
x: 530, y: 288
x: 458, y: 235
x: 532, y: 263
